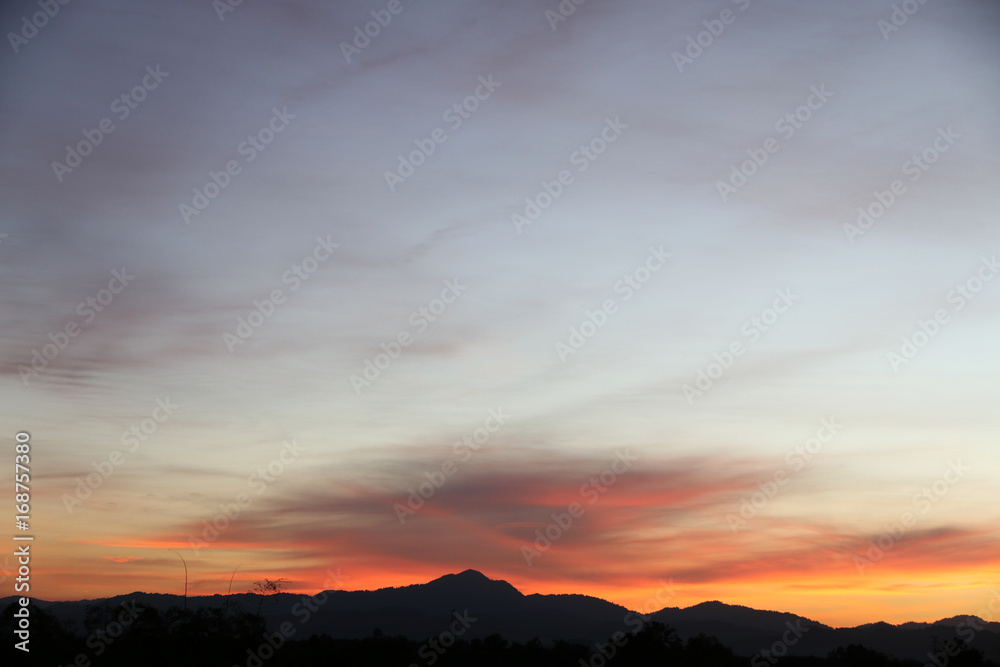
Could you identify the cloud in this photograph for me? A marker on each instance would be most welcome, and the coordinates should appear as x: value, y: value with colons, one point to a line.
x: 122, y: 559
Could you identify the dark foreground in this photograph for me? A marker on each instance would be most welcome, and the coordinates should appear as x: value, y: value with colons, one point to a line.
x: 228, y: 638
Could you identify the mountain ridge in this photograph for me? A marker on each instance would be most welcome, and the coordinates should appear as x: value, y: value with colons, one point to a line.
x: 418, y: 611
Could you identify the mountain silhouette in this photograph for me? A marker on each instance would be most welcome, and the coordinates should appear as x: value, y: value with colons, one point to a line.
x: 420, y: 611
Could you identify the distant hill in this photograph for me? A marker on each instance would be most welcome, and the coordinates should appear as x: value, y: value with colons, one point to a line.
x: 426, y: 610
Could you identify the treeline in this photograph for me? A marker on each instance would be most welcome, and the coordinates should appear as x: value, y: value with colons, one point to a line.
x: 233, y: 638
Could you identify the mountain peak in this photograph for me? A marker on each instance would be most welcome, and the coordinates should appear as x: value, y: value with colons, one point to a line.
x: 467, y: 578
x: 473, y: 581
x: 711, y: 604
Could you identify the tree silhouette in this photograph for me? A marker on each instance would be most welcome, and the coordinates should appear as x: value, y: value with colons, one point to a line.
x: 655, y: 644
x: 266, y: 588
x: 49, y: 643
x: 856, y: 655
x: 707, y: 651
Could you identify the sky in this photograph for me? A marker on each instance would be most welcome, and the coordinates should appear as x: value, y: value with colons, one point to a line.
x: 358, y: 294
